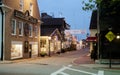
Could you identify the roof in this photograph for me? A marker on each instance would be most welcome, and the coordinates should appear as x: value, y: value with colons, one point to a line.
x: 50, y: 32
x: 53, y: 21
x: 47, y: 31
x: 93, y: 22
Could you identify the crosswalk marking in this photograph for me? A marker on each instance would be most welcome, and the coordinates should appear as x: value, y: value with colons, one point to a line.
x: 60, y: 71
x: 100, y: 72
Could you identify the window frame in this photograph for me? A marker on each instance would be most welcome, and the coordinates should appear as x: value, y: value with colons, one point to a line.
x: 13, y: 29
x: 30, y: 30
x: 20, y: 25
x: 31, y: 9
x: 36, y: 31
x: 21, y: 4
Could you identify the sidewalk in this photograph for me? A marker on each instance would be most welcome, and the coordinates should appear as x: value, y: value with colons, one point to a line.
x: 83, y: 60
x: 86, y: 61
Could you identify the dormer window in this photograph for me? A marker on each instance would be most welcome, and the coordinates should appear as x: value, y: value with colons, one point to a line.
x: 21, y: 5
x: 31, y: 9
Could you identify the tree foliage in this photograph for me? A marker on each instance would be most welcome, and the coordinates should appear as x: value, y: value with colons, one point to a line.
x: 109, y: 11
x: 90, y: 4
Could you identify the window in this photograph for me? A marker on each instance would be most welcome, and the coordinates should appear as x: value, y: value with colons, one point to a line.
x: 21, y: 5
x: 30, y: 30
x: 34, y: 48
x: 13, y: 27
x: 20, y: 28
x: 36, y: 31
x: 16, y: 49
x: 31, y: 9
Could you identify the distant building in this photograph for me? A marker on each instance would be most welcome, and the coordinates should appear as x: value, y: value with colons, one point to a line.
x: 54, y: 28
x: 93, y: 30
x: 19, y: 29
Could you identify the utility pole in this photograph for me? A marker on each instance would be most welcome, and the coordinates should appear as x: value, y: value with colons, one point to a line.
x: 98, y: 30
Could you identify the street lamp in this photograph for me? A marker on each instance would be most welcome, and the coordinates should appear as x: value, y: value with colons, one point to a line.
x: 118, y: 36
x: 49, y: 38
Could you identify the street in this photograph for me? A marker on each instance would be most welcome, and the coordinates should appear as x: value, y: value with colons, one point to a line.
x: 62, y: 64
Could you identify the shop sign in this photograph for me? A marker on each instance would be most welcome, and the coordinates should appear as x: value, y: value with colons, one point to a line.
x: 23, y: 16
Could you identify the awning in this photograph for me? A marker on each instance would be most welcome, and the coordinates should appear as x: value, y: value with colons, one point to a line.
x: 91, y: 39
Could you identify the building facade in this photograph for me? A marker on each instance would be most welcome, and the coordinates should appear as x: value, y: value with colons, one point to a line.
x: 20, y: 29
x: 92, y: 39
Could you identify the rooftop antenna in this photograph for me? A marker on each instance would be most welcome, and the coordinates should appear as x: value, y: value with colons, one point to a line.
x: 52, y: 14
x: 60, y: 14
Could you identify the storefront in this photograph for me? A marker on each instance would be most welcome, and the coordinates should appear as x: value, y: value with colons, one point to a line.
x: 19, y: 29
x: 33, y: 49
x: 16, y: 49
x: 92, y: 41
x: 51, y: 44
x: 25, y: 28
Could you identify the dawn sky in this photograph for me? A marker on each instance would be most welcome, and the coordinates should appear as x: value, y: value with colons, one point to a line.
x: 71, y: 10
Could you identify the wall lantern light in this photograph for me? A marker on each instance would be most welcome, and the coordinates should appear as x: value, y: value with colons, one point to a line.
x: 118, y: 36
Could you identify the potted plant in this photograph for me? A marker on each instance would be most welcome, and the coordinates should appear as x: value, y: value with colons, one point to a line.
x: 43, y: 54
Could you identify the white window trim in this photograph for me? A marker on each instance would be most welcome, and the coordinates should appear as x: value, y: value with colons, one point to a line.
x: 30, y: 31
x: 36, y: 31
x: 21, y: 29
x: 15, y: 27
x: 17, y: 42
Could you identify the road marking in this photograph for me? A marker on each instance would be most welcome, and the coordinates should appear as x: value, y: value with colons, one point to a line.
x: 100, y: 72
x: 60, y: 71
x: 81, y: 71
x: 63, y: 73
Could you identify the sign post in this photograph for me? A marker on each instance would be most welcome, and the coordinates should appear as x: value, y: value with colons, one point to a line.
x: 110, y: 36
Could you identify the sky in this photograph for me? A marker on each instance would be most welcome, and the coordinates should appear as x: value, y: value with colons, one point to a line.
x: 71, y: 10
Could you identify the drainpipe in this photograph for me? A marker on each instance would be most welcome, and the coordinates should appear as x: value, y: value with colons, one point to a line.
x: 2, y: 54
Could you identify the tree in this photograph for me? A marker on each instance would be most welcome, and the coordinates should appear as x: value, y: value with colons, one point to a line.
x: 109, y: 11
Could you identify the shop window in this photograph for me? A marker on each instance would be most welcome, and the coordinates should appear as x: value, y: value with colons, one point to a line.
x: 30, y: 30
x: 42, y: 43
x: 34, y: 48
x: 16, y: 50
x: 20, y: 27
x: 13, y: 30
x: 21, y: 5
x: 31, y: 9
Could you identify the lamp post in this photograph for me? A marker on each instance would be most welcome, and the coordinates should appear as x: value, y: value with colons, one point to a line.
x: 49, y: 38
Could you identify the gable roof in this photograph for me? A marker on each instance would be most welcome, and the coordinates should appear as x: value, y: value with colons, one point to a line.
x: 50, y: 32
x: 93, y: 22
x: 47, y: 31
x: 53, y: 21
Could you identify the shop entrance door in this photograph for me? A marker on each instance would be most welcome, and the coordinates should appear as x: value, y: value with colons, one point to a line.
x: 30, y: 50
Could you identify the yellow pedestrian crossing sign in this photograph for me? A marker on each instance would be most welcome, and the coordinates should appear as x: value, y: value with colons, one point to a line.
x: 110, y: 36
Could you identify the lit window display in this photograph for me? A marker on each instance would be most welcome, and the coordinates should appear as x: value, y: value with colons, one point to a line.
x: 34, y: 48
x: 16, y: 50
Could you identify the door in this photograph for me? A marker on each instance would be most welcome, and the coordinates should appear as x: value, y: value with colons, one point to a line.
x: 30, y: 50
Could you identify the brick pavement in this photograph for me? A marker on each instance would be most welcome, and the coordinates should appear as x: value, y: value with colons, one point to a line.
x: 85, y: 59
